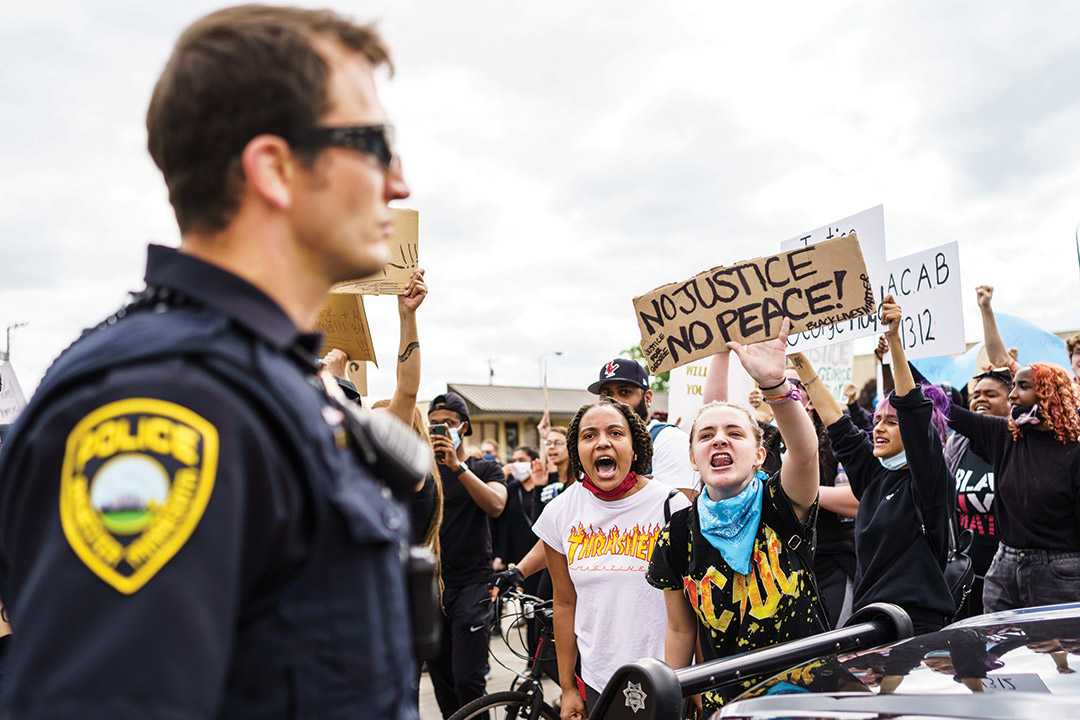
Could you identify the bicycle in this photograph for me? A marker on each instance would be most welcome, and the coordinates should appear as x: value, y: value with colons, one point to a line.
x: 525, y: 699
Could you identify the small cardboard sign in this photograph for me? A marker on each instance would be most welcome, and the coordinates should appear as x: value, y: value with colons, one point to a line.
x: 815, y: 286
x: 343, y: 322
x: 12, y: 400
x: 404, y: 258
x: 357, y: 373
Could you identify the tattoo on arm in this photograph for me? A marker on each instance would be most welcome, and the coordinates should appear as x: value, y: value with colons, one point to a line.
x: 408, y: 351
x: 797, y: 362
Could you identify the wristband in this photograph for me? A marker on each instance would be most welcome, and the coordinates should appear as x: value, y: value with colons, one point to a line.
x: 792, y: 394
x: 813, y: 379
x: 773, y: 387
x: 463, y: 469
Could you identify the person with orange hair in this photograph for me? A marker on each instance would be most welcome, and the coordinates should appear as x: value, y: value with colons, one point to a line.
x: 1036, y: 460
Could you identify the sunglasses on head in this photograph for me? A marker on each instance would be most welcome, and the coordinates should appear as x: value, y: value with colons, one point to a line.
x: 1001, y: 374
x: 374, y: 140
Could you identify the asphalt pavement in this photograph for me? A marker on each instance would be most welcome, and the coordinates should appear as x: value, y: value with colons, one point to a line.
x: 504, y: 667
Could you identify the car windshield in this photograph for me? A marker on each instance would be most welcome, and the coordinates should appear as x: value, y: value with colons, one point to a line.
x: 1005, y: 653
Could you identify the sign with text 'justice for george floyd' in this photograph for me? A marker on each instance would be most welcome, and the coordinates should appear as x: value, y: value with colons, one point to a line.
x: 816, y: 285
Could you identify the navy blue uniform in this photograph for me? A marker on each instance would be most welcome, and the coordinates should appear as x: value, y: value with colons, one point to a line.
x: 186, y: 529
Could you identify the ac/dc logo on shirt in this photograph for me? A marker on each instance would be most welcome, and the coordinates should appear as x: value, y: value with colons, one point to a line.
x: 761, y: 589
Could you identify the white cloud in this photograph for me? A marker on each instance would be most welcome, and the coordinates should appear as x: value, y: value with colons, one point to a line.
x: 566, y: 157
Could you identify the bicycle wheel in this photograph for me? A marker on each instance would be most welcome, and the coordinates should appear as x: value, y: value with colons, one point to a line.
x: 503, y: 706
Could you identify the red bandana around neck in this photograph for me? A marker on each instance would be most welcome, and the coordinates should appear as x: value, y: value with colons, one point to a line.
x: 614, y: 493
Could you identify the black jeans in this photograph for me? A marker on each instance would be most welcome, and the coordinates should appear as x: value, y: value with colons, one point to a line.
x: 457, y: 674
x: 1027, y: 578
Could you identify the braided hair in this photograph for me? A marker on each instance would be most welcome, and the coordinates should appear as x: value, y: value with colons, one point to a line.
x: 639, y: 436
x: 1058, y: 401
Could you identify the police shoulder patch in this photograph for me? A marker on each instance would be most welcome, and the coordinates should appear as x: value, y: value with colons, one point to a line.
x: 136, y: 478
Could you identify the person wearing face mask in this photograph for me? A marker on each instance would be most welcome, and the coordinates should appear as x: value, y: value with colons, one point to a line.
x: 729, y: 571
x: 489, y: 450
x: 597, y: 537
x: 901, y: 468
x: 1036, y: 461
x: 474, y: 489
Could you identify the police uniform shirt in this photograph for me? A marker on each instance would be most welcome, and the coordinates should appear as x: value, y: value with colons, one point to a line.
x: 147, y: 512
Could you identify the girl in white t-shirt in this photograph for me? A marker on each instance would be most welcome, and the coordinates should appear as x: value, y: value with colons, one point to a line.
x: 598, y: 536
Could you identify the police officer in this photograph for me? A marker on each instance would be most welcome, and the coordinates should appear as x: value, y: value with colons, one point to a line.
x: 190, y: 526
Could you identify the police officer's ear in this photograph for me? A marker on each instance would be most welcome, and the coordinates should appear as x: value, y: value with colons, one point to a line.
x: 270, y: 169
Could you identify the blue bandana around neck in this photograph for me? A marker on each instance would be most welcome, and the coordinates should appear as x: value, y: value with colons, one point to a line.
x: 731, y: 525
x: 895, y: 462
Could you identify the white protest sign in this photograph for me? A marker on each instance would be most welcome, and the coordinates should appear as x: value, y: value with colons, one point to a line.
x: 835, y: 367
x: 927, y: 286
x: 870, y: 227
x: 1020, y: 682
x: 12, y: 400
x: 686, y: 386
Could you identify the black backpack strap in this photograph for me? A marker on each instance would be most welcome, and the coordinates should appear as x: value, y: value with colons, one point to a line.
x: 801, y: 546
x: 667, y: 505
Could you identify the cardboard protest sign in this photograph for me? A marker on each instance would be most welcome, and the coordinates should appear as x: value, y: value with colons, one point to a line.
x: 927, y: 286
x: 815, y: 286
x: 835, y: 366
x: 344, y: 324
x: 12, y: 400
x: 869, y: 225
x: 357, y: 373
x: 404, y: 258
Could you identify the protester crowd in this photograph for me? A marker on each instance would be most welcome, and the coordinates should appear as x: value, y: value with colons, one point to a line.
x: 775, y: 518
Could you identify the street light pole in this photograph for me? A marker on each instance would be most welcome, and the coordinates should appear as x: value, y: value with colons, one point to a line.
x: 1076, y: 234
x: 543, y: 365
x: 7, y: 349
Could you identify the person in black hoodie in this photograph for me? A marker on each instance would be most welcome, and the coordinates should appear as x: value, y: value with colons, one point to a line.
x: 903, y: 465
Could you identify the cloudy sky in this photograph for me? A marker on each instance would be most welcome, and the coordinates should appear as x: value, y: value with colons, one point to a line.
x: 567, y: 156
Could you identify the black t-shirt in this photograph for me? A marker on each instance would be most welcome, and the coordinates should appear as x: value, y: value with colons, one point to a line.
x: 772, y: 604
x: 512, y: 534
x: 1037, y: 505
x: 895, y: 562
x: 465, y: 535
x: 422, y: 509
x: 835, y: 533
x: 975, y: 488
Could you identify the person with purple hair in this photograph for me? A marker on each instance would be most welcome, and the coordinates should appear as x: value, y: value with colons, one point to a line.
x: 896, y: 470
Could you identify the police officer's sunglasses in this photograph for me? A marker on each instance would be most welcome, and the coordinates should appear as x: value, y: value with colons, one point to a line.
x: 374, y: 140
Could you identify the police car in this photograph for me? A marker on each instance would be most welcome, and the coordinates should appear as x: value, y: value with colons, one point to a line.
x: 1016, y: 664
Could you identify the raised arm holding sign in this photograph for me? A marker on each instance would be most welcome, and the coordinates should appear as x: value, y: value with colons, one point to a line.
x: 815, y: 286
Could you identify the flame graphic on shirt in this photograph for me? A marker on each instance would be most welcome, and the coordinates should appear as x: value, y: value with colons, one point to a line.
x: 636, y: 542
